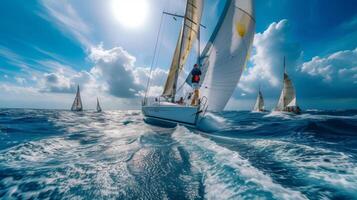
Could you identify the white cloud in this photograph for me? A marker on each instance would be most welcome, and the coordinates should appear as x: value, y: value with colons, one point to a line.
x: 114, y: 73
x: 115, y: 68
x: 269, y: 48
x: 340, y: 66
x: 20, y: 80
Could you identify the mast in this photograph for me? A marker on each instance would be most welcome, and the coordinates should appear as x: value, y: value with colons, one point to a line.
x: 179, y: 57
x: 284, y: 67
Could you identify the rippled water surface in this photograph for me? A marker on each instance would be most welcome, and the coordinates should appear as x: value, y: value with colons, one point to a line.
x: 236, y: 155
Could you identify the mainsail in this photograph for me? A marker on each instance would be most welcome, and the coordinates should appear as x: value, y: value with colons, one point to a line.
x: 259, y: 104
x: 77, y: 103
x: 188, y: 34
x: 99, y: 109
x: 287, y: 96
x: 226, y: 53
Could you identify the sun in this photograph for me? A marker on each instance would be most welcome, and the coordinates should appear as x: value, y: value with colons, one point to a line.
x: 130, y: 13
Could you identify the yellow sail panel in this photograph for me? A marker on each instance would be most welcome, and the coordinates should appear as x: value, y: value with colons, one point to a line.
x: 187, y: 37
x: 242, y: 24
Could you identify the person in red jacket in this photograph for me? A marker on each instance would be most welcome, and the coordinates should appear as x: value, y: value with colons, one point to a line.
x: 196, y: 73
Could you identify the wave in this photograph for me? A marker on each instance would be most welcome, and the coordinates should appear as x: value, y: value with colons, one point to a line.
x: 35, y: 151
x: 324, y: 117
x: 283, y: 115
x: 227, y: 175
x: 320, y: 166
x: 211, y: 123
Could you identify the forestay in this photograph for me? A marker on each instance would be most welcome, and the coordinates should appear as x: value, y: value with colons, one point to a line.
x: 188, y: 35
x: 226, y: 53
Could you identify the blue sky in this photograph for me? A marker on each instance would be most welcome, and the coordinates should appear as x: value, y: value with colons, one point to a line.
x: 47, y: 47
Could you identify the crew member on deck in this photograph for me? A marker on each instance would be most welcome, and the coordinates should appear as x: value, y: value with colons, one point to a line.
x: 196, y: 73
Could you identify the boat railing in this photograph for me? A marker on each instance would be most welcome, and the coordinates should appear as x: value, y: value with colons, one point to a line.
x: 203, y: 104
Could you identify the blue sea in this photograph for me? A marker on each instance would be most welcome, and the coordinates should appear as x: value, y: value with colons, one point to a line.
x: 54, y: 154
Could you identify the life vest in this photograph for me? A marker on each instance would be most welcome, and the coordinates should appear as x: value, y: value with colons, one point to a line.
x: 196, y: 78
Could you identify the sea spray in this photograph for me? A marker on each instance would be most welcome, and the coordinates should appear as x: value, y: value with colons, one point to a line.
x: 211, y: 123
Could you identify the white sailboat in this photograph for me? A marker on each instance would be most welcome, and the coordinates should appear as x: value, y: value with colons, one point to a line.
x: 259, y: 103
x: 77, y: 103
x: 222, y: 62
x: 99, y: 109
x: 287, y: 99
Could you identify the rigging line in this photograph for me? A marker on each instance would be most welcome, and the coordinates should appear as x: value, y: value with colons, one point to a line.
x: 181, y: 86
x: 153, y: 59
x: 160, y: 42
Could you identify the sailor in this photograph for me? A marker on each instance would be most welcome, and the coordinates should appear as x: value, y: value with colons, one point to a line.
x: 196, y: 73
x: 181, y: 101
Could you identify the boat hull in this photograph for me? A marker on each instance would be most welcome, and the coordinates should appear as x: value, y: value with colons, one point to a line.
x: 171, y: 115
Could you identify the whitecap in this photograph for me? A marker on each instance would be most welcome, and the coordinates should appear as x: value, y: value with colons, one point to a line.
x: 328, y: 167
x: 283, y: 115
x: 211, y: 122
x: 227, y: 175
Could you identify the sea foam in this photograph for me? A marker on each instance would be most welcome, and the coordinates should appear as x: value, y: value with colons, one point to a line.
x: 227, y: 175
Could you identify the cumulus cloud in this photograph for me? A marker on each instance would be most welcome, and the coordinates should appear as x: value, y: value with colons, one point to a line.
x: 115, y: 68
x: 340, y: 66
x: 269, y: 48
x: 158, y: 78
x: 61, y: 78
x: 20, y: 80
x: 331, y: 76
x: 113, y: 72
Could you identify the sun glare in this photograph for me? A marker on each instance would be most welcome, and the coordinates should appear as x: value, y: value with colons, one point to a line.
x: 130, y: 13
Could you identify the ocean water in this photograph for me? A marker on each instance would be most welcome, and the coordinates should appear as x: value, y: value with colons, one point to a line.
x: 51, y: 154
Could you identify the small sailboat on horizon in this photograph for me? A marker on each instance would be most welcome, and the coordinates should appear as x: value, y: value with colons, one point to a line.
x: 77, y: 103
x: 99, y: 109
x: 287, y: 100
x: 259, y: 103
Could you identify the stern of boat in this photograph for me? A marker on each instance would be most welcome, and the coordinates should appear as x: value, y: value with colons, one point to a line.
x: 168, y: 113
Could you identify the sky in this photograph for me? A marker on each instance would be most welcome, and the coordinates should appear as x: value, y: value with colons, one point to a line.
x: 47, y: 47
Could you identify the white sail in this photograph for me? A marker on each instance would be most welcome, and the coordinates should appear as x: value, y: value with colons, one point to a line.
x: 77, y: 103
x: 287, y: 97
x: 259, y: 104
x: 187, y: 37
x: 99, y: 109
x: 226, y: 53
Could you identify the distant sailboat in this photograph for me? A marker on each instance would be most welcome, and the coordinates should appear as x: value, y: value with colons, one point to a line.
x: 259, y: 103
x: 99, y: 109
x: 287, y: 100
x: 77, y: 103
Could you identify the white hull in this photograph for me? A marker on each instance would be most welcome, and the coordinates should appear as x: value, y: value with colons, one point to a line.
x: 175, y: 114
